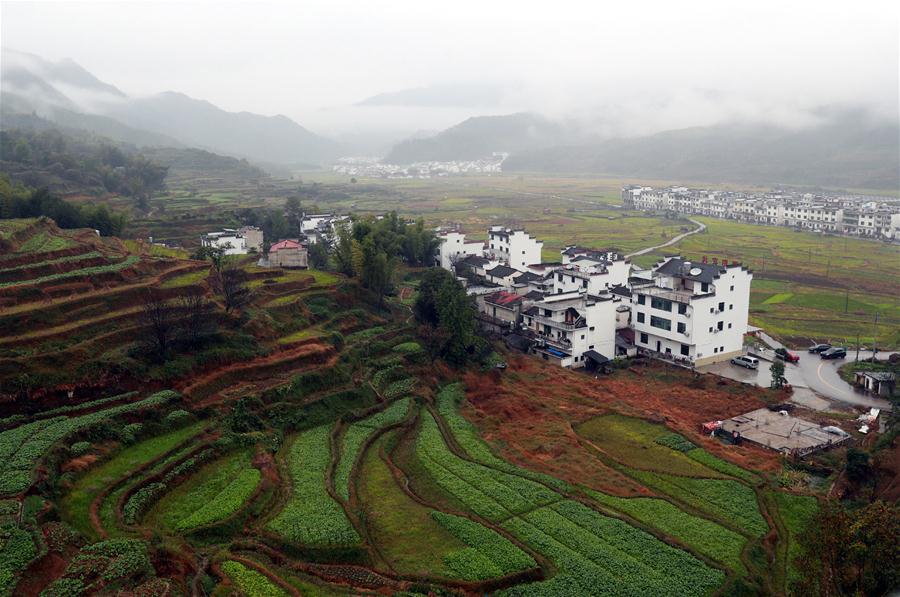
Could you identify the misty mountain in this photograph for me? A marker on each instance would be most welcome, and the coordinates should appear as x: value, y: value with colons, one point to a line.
x: 480, y: 136
x: 69, y: 95
x: 196, y: 122
x: 848, y: 150
x: 455, y: 95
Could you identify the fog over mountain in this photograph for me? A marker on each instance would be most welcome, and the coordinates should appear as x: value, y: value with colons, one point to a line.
x: 556, y: 87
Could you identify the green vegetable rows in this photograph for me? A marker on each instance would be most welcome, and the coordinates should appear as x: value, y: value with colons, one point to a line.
x: 725, y: 499
x: 21, y: 448
x: 705, y: 536
x: 78, y: 273
x: 488, y: 492
x: 311, y: 516
x: 250, y: 582
x: 225, y: 503
x: 489, y: 554
x: 355, y: 436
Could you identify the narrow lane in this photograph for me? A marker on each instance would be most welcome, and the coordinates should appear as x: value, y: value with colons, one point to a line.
x: 700, y: 228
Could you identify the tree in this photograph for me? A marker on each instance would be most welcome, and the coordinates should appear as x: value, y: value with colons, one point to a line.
x: 443, y: 304
x: 158, y: 317
x: 777, y: 371
x: 318, y: 255
x: 196, y: 322
x: 234, y: 292
x: 850, y: 552
x: 215, y: 254
x: 343, y: 250
x: 858, y: 469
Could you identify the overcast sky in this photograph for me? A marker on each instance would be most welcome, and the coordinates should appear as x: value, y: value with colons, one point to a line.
x: 646, y: 65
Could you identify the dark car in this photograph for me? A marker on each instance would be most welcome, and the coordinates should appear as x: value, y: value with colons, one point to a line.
x: 819, y: 347
x: 834, y: 353
x: 787, y: 355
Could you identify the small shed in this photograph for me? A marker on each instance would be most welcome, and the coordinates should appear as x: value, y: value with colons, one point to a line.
x: 880, y: 383
x: 594, y: 361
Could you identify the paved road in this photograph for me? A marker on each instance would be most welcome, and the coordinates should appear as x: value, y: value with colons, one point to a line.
x: 812, y: 373
x: 700, y: 228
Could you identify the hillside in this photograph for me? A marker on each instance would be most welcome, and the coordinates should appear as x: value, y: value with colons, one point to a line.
x: 847, y: 150
x: 69, y: 95
x: 479, y: 137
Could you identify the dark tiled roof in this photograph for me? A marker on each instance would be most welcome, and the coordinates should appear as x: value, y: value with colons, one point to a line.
x: 475, y: 260
x: 709, y: 272
x: 518, y: 342
x: 501, y: 271
x: 532, y: 311
x: 527, y: 277
x: 620, y: 290
x: 534, y: 295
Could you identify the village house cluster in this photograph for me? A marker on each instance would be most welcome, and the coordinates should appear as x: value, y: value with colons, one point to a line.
x: 289, y: 253
x: 374, y: 168
x: 593, y: 305
x: 845, y: 214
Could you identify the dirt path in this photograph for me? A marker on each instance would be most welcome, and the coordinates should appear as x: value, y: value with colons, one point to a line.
x: 700, y: 228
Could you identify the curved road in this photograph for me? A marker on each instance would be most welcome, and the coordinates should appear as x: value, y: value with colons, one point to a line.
x: 700, y: 228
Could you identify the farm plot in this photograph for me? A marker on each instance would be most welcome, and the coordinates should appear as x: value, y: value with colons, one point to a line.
x: 466, y: 435
x: 22, y: 448
x: 488, y: 554
x: 76, y: 504
x: 728, y: 501
x: 310, y: 515
x: 705, y: 536
x: 215, y: 492
x: 250, y: 582
x: 78, y: 273
x: 491, y: 494
x: 356, y: 435
x: 633, y: 442
x: 598, y: 555
x: 796, y: 512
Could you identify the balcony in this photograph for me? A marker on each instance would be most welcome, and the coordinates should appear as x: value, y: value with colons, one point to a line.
x: 676, y: 296
x: 561, y: 325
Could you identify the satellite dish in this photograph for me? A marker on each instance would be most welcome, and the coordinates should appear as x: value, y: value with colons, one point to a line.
x: 696, y: 271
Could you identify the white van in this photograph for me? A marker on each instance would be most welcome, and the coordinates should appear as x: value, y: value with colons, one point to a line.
x: 745, y: 361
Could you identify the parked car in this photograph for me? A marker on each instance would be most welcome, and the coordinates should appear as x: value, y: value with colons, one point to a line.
x: 786, y: 355
x: 819, y: 347
x: 745, y: 361
x: 835, y: 353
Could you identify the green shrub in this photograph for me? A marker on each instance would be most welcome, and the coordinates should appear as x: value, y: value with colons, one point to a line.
x: 178, y: 418
x: 140, y: 501
x: 400, y: 388
x: 80, y: 448
x: 408, y: 348
x: 675, y: 442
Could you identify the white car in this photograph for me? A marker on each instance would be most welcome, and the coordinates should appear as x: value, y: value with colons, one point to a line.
x: 745, y: 361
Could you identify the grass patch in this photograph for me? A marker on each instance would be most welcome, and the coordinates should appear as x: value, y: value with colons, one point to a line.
x: 188, y: 279
x: 75, y: 505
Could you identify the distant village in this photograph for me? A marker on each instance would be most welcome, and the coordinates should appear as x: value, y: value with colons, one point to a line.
x: 374, y: 168
x: 852, y: 215
x: 592, y: 306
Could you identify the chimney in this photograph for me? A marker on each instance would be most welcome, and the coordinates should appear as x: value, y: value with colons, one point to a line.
x: 724, y: 263
x: 686, y: 268
x: 704, y: 259
x: 715, y: 261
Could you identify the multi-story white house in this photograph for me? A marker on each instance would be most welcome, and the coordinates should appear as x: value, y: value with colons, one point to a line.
x: 590, y: 270
x: 454, y: 247
x: 515, y: 248
x: 695, y: 311
x: 573, y: 327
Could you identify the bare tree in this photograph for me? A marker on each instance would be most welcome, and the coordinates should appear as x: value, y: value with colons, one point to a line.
x: 158, y: 318
x: 234, y: 291
x: 196, y: 321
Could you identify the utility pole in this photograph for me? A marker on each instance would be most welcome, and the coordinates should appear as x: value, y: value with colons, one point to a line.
x: 874, y: 337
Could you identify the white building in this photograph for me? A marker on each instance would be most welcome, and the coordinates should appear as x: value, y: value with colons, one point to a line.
x: 514, y: 248
x: 454, y: 247
x: 695, y: 311
x: 590, y: 270
x: 573, y: 327
x: 230, y: 240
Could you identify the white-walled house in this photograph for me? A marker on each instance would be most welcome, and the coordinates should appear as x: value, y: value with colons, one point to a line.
x: 514, y: 248
x: 454, y: 247
x: 573, y: 327
x: 232, y: 241
x: 696, y: 311
x: 590, y: 270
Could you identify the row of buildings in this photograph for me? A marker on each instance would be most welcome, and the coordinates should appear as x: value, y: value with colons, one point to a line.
x: 292, y: 252
x: 366, y: 167
x: 593, y: 305
x: 850, y: 215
